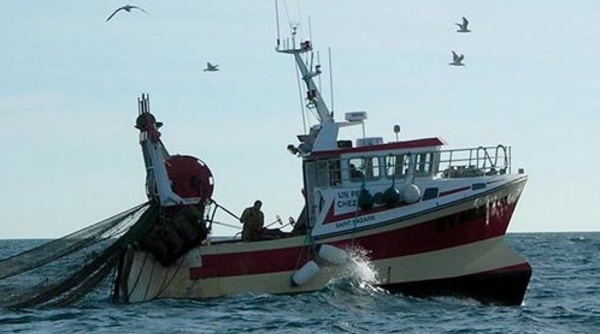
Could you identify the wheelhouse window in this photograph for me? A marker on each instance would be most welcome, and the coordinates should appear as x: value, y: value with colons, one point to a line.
x: 356, y: 169
x: 328, y: 173
x: 372, y: 168
x: 367, y: 168
x: 423, y: 164
x: 396, y: 166
x: 335, y: 173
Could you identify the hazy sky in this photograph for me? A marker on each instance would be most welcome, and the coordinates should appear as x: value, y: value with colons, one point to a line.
x: 69, y: 83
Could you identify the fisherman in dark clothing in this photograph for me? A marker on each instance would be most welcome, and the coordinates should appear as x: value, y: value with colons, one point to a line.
x: 253, y: 220
x: 355, y: 174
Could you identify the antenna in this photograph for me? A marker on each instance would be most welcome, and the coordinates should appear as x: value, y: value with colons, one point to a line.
x: 310, y: 30
x: 277, y: 23
x: 330, y: 81
x: 144, y: 104
x: 363, y: 129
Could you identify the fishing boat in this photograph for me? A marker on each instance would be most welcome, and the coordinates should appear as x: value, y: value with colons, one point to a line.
x: 430, y: 220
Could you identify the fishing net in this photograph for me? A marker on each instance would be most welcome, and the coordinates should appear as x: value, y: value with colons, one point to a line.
x: 63, y: 270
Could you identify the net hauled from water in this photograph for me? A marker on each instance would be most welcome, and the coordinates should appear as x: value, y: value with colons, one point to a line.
x: 64, y: 270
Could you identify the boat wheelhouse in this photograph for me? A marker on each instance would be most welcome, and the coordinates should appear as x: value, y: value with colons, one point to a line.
x: 395, y: 175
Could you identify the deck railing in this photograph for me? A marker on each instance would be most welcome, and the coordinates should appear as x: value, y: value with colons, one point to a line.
x: 472, y: 162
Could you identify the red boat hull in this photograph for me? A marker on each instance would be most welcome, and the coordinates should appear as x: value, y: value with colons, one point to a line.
x: 454, y: 250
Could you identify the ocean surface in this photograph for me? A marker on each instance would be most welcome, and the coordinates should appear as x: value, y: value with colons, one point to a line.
x: 563, y: 297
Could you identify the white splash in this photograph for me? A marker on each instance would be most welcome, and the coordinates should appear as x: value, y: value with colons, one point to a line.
x: 359, y: 274
x: 360, y: 267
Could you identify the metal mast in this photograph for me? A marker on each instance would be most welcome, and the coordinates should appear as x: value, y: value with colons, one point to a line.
x: 313, y: 95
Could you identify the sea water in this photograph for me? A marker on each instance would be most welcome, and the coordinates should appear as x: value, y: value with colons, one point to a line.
x: 563, y: 297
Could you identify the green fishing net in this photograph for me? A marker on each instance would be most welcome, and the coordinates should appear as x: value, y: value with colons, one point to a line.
x: 62, y: 271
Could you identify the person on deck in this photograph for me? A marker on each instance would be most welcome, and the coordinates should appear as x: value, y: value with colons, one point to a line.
x: 253, y: 220
x: 355, y: 174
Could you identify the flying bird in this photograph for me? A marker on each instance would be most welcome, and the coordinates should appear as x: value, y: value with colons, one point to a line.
x: 211, y: 68
x: 463, y: 26
x: 126, y: 8
x: 457, y: 60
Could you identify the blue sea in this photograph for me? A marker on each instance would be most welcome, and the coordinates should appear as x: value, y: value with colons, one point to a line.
x: 563, y: 297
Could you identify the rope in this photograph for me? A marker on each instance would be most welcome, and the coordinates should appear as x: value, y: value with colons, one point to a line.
x: 228, y: 225
x: 309, y: 241
x: 167, y: 282
x: 224, y: 209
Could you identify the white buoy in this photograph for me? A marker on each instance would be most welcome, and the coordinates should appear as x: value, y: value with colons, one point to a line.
x: 332, y: 254
x: 305, y: 274
x: 411, y: 193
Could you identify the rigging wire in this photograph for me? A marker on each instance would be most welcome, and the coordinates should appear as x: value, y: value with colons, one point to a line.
x: 299, y: 13
x: 302, y: 111
x: 294, y: 24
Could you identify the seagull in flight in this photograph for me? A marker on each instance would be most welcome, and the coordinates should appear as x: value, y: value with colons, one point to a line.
x: 126, y: 8
x: 457, y: 60
x: 211, y: 68
x: 463, y: 26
